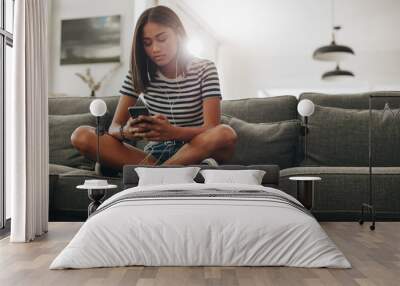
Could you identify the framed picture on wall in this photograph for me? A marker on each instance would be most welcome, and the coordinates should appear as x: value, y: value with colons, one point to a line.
x: 91, y: 40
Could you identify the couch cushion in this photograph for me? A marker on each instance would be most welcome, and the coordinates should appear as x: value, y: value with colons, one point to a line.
x: 78, y: 104
x: 300, y: 171
x: 264, y: 143
x: 344, y: 189
x: 61, y: 150
x: 258, y: 110
x: 89, y: 174
x: 351, y: 101
x: 339, y: 137
x: 55, y: 169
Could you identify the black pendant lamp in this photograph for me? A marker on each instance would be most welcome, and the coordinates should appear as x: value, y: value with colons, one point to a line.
x: 333, y: 52
x: 337, y: 74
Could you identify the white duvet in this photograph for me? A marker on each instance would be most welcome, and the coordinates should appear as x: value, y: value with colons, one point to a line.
x: 200, y: 231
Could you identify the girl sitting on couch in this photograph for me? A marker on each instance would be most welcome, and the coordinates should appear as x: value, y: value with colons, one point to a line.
x: 180, y: 91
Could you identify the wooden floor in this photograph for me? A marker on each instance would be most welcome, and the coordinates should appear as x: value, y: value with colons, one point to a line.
x: 375, y: 256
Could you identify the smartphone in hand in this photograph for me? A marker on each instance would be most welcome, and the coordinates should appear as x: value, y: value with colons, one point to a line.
x: 136, y: 111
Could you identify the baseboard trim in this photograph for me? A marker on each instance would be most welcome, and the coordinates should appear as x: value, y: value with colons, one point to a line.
x: 67, y: 216
x: 354, y: 216
x: 319, y: 215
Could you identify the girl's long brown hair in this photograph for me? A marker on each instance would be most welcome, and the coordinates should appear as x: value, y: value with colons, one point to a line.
x: 141, y: 65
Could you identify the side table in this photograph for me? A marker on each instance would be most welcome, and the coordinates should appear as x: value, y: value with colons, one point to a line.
x: 96, y: 195
x: 306, y: 194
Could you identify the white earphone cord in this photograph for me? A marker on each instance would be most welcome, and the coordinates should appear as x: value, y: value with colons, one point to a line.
x: 171, y: 111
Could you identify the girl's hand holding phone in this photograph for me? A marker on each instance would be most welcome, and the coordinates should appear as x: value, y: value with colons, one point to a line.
x: 156, y: 128
x: 134, y: 129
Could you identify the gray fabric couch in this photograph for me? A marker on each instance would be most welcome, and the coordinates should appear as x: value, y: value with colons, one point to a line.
x: 270, y: 133
x: 338, y: 152
x: 68, y: 168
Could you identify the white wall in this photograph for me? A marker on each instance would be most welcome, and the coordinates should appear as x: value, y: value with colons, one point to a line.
x: 244, y: 72
x: 257, y: 45
x: 268, y: 44
x: 62, y: 77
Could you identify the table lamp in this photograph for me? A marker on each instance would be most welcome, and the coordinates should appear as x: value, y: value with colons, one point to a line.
x: 305, y: 108
x: 98, y: 108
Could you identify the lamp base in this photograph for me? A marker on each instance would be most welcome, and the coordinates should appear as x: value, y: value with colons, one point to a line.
x: 371, y: 209
x: 105, y: 171
x: 97, y: 169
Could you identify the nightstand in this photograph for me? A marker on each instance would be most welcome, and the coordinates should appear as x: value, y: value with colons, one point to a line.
x: 306, y: 194
x: 96, y: 195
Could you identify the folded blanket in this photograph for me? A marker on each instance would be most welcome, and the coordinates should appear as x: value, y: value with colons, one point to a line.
x: 206, y: 193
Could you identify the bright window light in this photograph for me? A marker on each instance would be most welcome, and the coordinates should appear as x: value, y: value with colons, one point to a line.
x: 195, y: 47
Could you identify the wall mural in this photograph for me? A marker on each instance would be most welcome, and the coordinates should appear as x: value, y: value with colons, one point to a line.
x: 91, y: 40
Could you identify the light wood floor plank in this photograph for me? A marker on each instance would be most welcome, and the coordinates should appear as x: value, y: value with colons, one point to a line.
x: 375, y: 257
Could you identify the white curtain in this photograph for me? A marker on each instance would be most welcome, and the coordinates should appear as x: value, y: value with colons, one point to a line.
x: 27, y: 123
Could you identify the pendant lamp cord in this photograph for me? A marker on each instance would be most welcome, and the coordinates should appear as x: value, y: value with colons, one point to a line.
x: 333, y: 20
x: 333, y: 13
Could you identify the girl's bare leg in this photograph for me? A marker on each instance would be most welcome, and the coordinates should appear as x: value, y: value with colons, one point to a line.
x: 217, y: 142
x: 113, y: 153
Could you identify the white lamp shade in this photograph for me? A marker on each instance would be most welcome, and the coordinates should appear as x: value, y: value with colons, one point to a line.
x: 338, y: 78
x: 333, y: 56
x: 98, y: 107
x: 305, y: 107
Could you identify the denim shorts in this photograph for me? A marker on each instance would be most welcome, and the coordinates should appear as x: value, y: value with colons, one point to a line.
x: 164, y: 150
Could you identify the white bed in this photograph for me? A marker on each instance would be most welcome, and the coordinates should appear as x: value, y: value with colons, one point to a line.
x: 206, y: 230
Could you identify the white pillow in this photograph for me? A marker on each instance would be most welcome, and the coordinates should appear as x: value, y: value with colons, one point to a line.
x: 163, y: 176
x: 248, y: 177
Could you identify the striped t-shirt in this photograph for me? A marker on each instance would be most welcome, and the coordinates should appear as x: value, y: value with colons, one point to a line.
x: 180, y: 99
